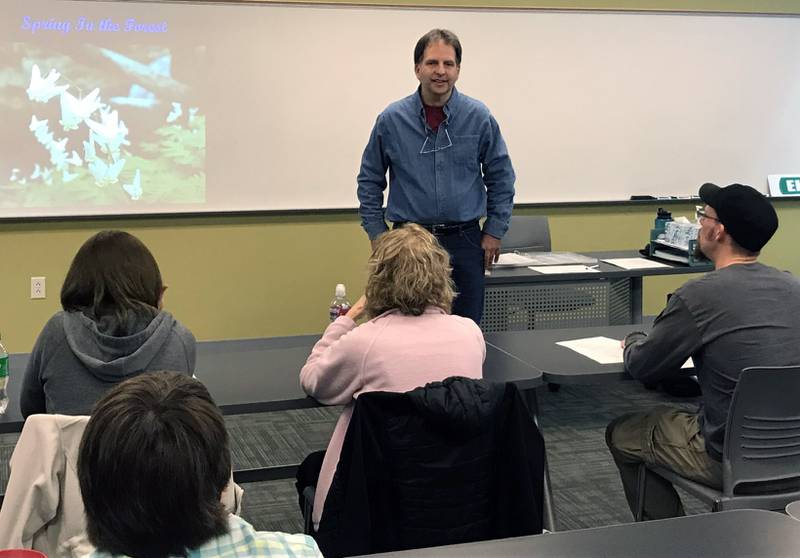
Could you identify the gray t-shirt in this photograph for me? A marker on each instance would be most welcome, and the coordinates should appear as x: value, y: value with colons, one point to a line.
x: 739, y: 316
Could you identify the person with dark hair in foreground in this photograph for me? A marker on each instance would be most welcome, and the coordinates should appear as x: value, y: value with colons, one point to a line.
x: 742, y: 314
x: 111, y: 328
x: 153, y: 462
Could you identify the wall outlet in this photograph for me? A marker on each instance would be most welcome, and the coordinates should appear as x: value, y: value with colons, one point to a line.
x: 38, y: 287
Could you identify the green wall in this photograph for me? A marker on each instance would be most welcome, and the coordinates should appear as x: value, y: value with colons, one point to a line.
x: 255, y: 276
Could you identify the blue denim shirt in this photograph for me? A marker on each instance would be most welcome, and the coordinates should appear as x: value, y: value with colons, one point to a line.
x: 462, y: 182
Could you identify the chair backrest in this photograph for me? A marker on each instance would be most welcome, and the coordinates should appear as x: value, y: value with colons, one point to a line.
x: 455, y: 461
x: 762, y: 437
x: 529, y: 233
x: 42, y: 506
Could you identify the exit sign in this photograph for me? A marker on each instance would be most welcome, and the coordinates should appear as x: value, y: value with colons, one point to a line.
x: 784, y: 184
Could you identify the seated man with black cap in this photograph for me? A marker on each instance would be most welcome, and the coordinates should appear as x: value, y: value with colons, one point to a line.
x: 742, y: 314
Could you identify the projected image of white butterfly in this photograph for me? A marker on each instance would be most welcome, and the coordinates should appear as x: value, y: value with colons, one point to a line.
x: 134, y: 189
x: 67, y: 176
x: 89, y: 152
x: 40, y: 131
x: 61, y: 160
x: 155, y: 75
x: 37, y: 124
x: 74, y: 110
x: 58, y: 153
x: 175, y: 113
x: 138, y: 96
x: 41, y: 89
x: 104, y: 173
x: 75, y: 159
x: 110, y: 132
x: 45, y: 174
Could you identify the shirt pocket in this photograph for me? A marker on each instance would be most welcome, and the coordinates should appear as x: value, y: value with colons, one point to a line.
x: 466, y: 152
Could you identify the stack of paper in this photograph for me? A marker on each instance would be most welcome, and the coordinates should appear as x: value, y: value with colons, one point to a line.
x: 522, y: 259
x: 564, y: 268
x: 558, y: 258
x: 634, y: 263
x: 512, y: 259
x: 603, y: 350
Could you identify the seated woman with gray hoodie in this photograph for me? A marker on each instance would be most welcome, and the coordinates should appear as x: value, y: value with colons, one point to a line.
x: 111, y: 328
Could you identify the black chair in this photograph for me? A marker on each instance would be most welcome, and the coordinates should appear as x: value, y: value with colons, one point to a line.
x: 761, y: 453
x: 527, y: 233
x: 452, y: 462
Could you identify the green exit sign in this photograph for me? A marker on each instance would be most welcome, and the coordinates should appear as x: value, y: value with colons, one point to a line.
x: 790, y: 186
x: 784, y: 184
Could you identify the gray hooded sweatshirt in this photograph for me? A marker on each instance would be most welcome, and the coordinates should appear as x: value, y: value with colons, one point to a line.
x: 76, y: 360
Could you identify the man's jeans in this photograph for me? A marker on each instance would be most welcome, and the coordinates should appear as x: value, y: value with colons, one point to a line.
x: 466, y: 258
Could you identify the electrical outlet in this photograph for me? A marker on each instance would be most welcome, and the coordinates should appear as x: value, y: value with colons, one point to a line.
x: 38, y: 287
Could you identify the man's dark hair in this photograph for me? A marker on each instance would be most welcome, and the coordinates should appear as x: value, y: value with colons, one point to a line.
x: 153, y: 463
x: 435, y: 35
x: 115, y: 274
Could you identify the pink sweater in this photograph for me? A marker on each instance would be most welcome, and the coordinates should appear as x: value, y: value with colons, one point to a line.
x: 392, y: 352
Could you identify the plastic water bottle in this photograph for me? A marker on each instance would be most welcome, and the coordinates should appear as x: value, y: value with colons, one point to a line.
x: 339, y: 305
x: 662, y: 218
x: 3, y: 378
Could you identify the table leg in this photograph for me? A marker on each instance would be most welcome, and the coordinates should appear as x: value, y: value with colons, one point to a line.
x: 549, y: 520
x: 637, y: 294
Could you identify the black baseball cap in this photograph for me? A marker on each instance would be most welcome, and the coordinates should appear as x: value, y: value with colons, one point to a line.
x: 747, y: 214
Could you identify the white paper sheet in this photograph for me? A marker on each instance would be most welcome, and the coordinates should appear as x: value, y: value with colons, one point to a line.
x: 600, y: 349
x: 634, y: 263
x: 563, y: 268
x: 510, y: 259
x: 603, y: 350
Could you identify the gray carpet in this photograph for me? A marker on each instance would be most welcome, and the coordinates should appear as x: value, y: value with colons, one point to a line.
x: 587, y: 490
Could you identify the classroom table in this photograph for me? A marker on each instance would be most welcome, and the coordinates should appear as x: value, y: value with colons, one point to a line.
x: 519, y: 298
x: 728, y: 534
x: 262, y: 375
x: 560, y: 365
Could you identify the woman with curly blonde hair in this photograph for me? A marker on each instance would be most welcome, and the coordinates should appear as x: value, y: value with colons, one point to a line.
x: 410, y: 339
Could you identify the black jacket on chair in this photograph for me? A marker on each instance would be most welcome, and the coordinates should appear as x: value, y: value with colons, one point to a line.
x: 451, y: 462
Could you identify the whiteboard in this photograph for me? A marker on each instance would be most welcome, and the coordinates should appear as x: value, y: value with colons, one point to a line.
x: 594, y: 106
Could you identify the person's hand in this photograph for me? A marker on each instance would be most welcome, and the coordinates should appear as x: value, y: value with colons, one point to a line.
x: 491, y: 249
x: 639, y: 336
x: 357, y: 309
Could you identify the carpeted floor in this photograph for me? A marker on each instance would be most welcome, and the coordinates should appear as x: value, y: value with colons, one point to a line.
x: 586, y: 488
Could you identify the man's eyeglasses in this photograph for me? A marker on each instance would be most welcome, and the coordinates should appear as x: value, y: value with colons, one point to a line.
x: 429, y: 146
x: 700, y: 213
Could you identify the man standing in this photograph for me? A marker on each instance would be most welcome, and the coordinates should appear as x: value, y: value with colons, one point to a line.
x: 448, y: 167
x: 741, y: 314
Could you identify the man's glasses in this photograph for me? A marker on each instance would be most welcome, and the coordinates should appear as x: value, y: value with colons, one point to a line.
x: 429, y: 146
x: 700, y: 213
